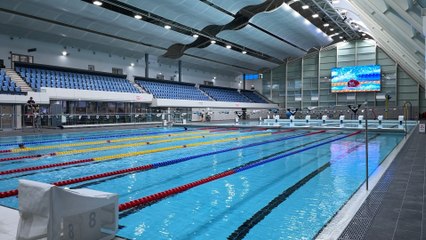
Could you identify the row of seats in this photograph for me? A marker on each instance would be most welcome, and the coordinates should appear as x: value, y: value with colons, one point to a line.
x: 225, y: 95
x: 38, y: 78
x: 7, y: 85
x: 191, y: 92
x: 254, y: 96
x: 173, y: 90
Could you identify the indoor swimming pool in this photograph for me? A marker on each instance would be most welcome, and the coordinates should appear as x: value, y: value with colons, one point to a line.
x: 204, y: 183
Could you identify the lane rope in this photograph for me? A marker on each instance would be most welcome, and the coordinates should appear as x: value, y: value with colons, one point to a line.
x: 160, y: 195
x: 159, y: 164
x: 244, y: 228
x: 77, y: 151
x: 84, y: 138
x: 131, y: 154
x: 26, y: 149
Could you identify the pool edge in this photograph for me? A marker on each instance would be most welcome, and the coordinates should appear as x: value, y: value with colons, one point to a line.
x: 343, y: 217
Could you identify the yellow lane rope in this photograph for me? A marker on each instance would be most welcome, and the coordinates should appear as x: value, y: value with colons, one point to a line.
x: 139, y: 144
x: 15, y: 150
x: 123, y: 155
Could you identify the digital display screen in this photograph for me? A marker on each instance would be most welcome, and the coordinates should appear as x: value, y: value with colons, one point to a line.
x: 356, y: 79
x: 254, y: 76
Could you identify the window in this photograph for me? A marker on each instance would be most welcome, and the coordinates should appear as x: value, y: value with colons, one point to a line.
x: 117, y: 71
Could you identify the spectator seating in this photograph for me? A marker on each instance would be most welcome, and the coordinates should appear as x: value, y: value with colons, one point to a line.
x: 225, y: 94
x: 7, y: 85
x: 254, y: 96
x: 172, y: 90
x: 40, y: 77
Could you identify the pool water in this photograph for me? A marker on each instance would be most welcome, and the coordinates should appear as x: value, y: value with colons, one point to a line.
x: 286, y: 185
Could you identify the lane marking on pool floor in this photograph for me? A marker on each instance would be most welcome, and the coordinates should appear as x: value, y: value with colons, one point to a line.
x: 158, y: 196
x: 261, y: 214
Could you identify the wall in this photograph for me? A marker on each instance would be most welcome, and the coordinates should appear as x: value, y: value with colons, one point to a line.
x: 305, y: 82
x: 50, y: 54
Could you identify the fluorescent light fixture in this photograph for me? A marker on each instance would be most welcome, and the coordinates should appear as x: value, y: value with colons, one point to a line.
x: 305, y: 7
x: 335, y: 1
x: 244, y: 52
x: 212, y: 41
x: 64, y: 53
x: 132, y: 64
x: 97, y: 3
x: 167, y: 26
x: 326, y: 25
x: 137, y: 16
x: 315, y: 15
x: 331, y: 29
x: 195, y: 35
x: 363, y: 34
x: 341, y: 37
x: 228, y: 46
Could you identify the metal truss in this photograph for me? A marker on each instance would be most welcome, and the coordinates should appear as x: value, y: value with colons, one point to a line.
x: 331, y: 13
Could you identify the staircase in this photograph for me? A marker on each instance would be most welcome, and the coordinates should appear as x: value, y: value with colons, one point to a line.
x: 139, y: 88
x: 18, y: 80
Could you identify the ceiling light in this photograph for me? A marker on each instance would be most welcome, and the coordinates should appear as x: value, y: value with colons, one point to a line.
x: 195, y: 35
x: 363, y: 34
x: 132, y: 64
x: 167, y: 26
x: 97, y: 3
x: 315, y: 15
x: 331, y: 29
x: 212, y: 41
x: 305, y: 7
x: 244, y: 52
x: 137, y: 16
x: 341, y: 37
x: 335, y: 1
x: 228, y: 46
x: 64, y: 53
x: 326, y: 25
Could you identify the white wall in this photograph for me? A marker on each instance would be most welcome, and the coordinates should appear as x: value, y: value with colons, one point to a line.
x: 50, y: 54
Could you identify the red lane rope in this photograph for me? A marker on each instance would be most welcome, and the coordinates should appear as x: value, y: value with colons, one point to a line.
x: 14, y: 192
x: 18, y: 170
x: 160, y: 195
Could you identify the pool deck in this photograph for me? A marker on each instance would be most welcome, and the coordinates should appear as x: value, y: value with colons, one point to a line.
x: 395, y: 208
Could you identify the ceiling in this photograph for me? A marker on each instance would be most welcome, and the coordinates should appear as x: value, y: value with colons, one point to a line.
x: 267, y: 31
x: 259, y: 28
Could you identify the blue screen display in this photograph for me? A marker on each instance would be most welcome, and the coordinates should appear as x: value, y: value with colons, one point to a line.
x: 356, y: 79
x: 254, y: 76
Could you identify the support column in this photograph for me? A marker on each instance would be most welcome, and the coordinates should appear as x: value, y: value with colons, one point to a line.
x: 18, y: 117
x: 244, y: 81
x: 180, y: 70
x: 146, y: 65
x: 424, y: 34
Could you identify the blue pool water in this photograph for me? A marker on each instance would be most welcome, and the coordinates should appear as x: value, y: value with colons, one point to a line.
x: 311, y: 185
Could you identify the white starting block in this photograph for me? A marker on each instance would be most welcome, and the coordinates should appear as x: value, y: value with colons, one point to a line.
x: 324, y: 118
x: 380, y: 118
x: 291, y: 118
x: 400, y: 119
x: 360, y: 119
x: 50, y: 212
x: 308, y: 118
x: 341, y: 118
